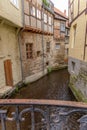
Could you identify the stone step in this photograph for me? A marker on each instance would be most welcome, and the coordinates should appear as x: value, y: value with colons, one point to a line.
x: 4, y: 90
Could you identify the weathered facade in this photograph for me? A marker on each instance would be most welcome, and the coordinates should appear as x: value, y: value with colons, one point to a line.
x: 37, y: 38
x: 78, y: 48
x: 61, y: 37
x: 10, y: 24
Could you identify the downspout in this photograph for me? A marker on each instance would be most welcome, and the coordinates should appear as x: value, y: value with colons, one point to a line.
x: 19, y: 35
x: 43, y: 36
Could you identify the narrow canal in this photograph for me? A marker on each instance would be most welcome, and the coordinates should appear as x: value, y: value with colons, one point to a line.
x: 51, y: 86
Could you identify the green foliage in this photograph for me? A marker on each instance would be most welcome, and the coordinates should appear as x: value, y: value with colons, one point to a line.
x: 49, y: 69
x: 77, y: 93
x: 17, y: 89
x: 46, y: 3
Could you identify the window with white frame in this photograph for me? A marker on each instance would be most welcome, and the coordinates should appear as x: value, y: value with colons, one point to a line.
x: 15, y: 3
x: 33, y: 11
x: 38, y: 14
x: 45, y: 18
x: 50, y: 21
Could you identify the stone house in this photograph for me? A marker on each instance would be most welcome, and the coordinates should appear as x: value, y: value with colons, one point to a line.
x: 37, y: 38
x: 10, y: 23
x: 78, y: 48
x: 61, y: 36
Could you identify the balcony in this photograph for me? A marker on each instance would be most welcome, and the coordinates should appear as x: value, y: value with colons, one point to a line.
x: 20, y: 114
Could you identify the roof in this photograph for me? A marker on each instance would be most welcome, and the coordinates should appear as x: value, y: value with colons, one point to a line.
x: 60, y: 13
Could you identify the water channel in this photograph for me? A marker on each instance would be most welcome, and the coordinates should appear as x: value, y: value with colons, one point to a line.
x: 52, y: 86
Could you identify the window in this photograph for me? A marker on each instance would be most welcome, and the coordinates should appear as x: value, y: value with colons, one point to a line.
x: 50, y: 21
x: 72, y: 12
x: 62, y: 27
x: 15, y: 3
x: 33, y: 11
x: 73, y: 66
x: 29, y: 50
x: 57, y: 45
x: 38, y: 14
x: 48, y: 47
x: 38, y: 53
x: 74, y: 35
x: 45, y: 18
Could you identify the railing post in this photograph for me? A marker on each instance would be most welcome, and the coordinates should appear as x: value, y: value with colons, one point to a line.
x: 33, y: 118
x: 3, y: 119
x: 83, y: 122
x: 48, y: 118
x: 17, y: 118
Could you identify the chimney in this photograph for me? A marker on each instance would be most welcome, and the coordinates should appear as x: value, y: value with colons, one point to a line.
x: 65, y: 12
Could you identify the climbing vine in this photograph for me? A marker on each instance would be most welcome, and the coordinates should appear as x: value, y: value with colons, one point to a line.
x: 46, y: 3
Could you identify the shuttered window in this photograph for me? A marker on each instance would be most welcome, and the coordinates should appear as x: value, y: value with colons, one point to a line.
x: 29, y: 51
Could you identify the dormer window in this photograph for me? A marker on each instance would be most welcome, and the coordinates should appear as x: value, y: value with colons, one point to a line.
x: 15, y: 3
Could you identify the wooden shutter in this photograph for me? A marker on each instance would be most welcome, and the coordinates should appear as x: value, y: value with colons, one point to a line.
x: 8, y: 72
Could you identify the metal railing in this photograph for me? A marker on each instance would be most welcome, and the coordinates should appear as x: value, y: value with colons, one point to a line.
x: 27, y: 114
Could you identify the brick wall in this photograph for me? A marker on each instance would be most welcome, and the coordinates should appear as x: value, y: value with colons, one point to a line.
x: 37, y: 63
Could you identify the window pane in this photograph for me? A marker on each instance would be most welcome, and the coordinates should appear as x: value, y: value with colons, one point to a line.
x: 29, y: 50
x: 57, y: 46
x: 62, y: 27
x: 45, y: 18
x: 38, y: 14
x: 33, y: 10
x: 50, y: 20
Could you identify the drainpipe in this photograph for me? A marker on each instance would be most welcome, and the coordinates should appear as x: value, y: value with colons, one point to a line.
x: 43, y: 37
x: 19, y: 35
x: 20, y: 52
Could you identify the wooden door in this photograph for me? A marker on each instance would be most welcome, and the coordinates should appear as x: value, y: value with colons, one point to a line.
x: 8, y: 72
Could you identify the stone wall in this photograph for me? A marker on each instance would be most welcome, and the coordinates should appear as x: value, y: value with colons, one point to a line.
x: 41, y: 58
x: 59, y: 53
x: 78, y: 78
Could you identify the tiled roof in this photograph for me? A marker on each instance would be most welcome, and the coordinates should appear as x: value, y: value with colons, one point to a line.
x: 60, y: 13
